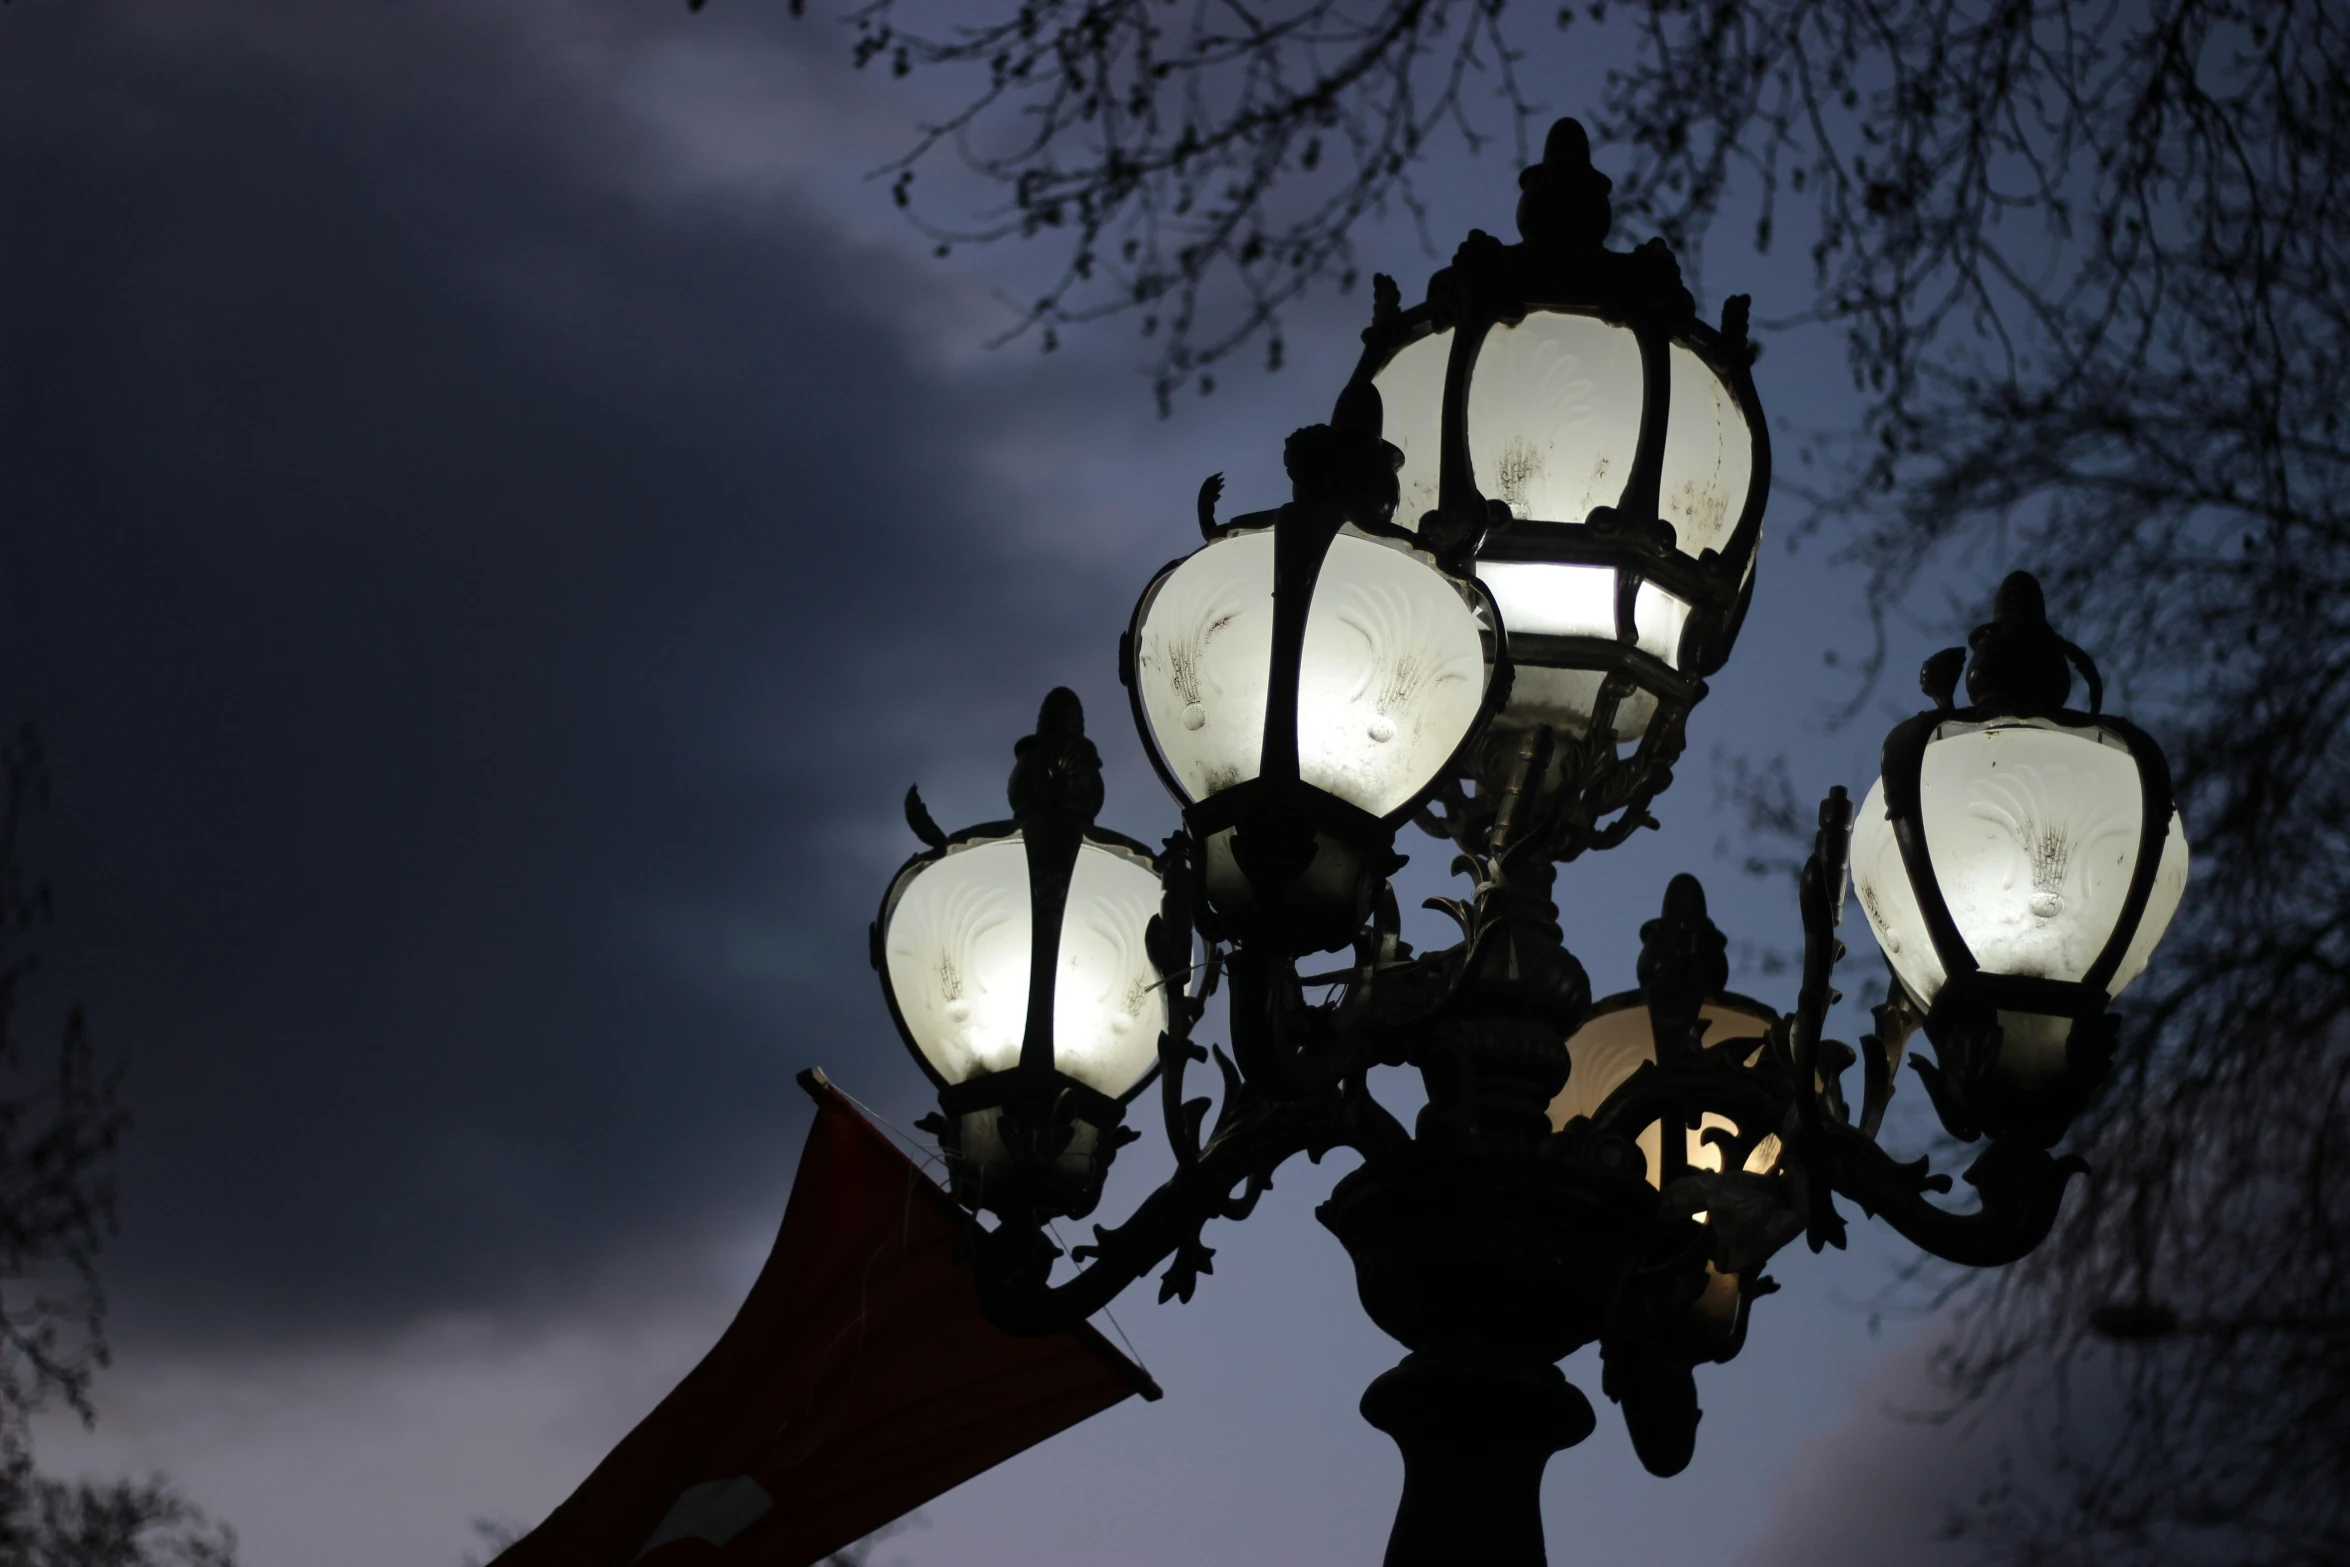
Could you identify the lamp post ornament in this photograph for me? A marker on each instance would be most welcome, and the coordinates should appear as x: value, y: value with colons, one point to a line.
x: 1509, y: 561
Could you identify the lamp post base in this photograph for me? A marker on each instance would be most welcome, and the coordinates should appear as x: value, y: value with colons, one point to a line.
x: 1476, y: 1428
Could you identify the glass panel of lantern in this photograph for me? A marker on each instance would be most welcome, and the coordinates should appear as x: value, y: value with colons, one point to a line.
x: 1393, y: 680
x: 1554, y: 418
x: 957, y: 935
x: 1709, y: 458
x: 1411, y: 395
x: 2034, y: 829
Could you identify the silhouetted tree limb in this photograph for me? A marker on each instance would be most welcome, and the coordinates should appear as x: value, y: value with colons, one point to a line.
x: 118, y: 1523
x: 2090, y: 262
x: 1199, y: 165
x: 61, y: 1122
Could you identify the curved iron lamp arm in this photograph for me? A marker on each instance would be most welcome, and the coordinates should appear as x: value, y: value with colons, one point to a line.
x: 1306, y: 1094
x: 2022, y: 1187
x: 1256, y: 1135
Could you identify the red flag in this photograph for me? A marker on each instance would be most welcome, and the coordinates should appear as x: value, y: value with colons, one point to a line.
x: 858, y: 1381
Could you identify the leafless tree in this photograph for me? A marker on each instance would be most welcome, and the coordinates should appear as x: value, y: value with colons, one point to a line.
x: 59, y: 1126
x: 1198, y: 165
x: 2091, y: 265
x: 61, y: 1121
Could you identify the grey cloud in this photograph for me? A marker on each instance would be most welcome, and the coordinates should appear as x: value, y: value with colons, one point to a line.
x: 1912, y: 1474
x: 460, y: 596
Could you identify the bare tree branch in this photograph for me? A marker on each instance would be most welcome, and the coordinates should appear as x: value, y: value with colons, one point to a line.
x: 61, y: 1121
x: 2089, y: 261
x: 59, y: 1128
x: 1201, y: 165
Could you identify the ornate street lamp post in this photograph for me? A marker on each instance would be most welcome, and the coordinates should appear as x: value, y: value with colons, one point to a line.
x: 1510, y: 559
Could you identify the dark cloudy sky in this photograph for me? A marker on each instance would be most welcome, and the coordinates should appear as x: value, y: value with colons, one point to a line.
x: 493, y: 512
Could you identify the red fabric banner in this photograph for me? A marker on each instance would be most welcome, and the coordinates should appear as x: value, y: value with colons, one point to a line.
x: 858, y: 1381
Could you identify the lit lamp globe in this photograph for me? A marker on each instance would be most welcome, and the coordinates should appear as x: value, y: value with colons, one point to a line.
x: 1016, y: 958
x: 2018, y: 861
x: 1686, y: 1001
x: 1303, y: 682
x: 1570, y: 425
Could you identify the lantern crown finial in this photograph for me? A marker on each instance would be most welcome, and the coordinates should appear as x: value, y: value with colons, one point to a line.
x: 1346, y: 463
x: 1682, y: 947
x: 2019, y: 598
x: 1057, y: 769
x: 2018, y: 662
x: 1061, y: 716
x: 1563, y: 200
x: 1359, y: 416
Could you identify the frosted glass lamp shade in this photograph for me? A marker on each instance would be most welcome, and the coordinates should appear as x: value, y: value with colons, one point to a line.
x: 1392, y: 676
x: 956, y: 950
x: 1021, y: 962
x: 2034, y: 829
x: 957, y: 939
x: 1575, y: 434
x: 1708, y: 459
x: 1411, y: 391
x: 1539, y: 598
x: 1108, y: 1005
x: 1556, y: 408
x: 1203, y: 654
x: 1616, y: 466
x: 1618, y: 1038
x: 1555, y: 600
